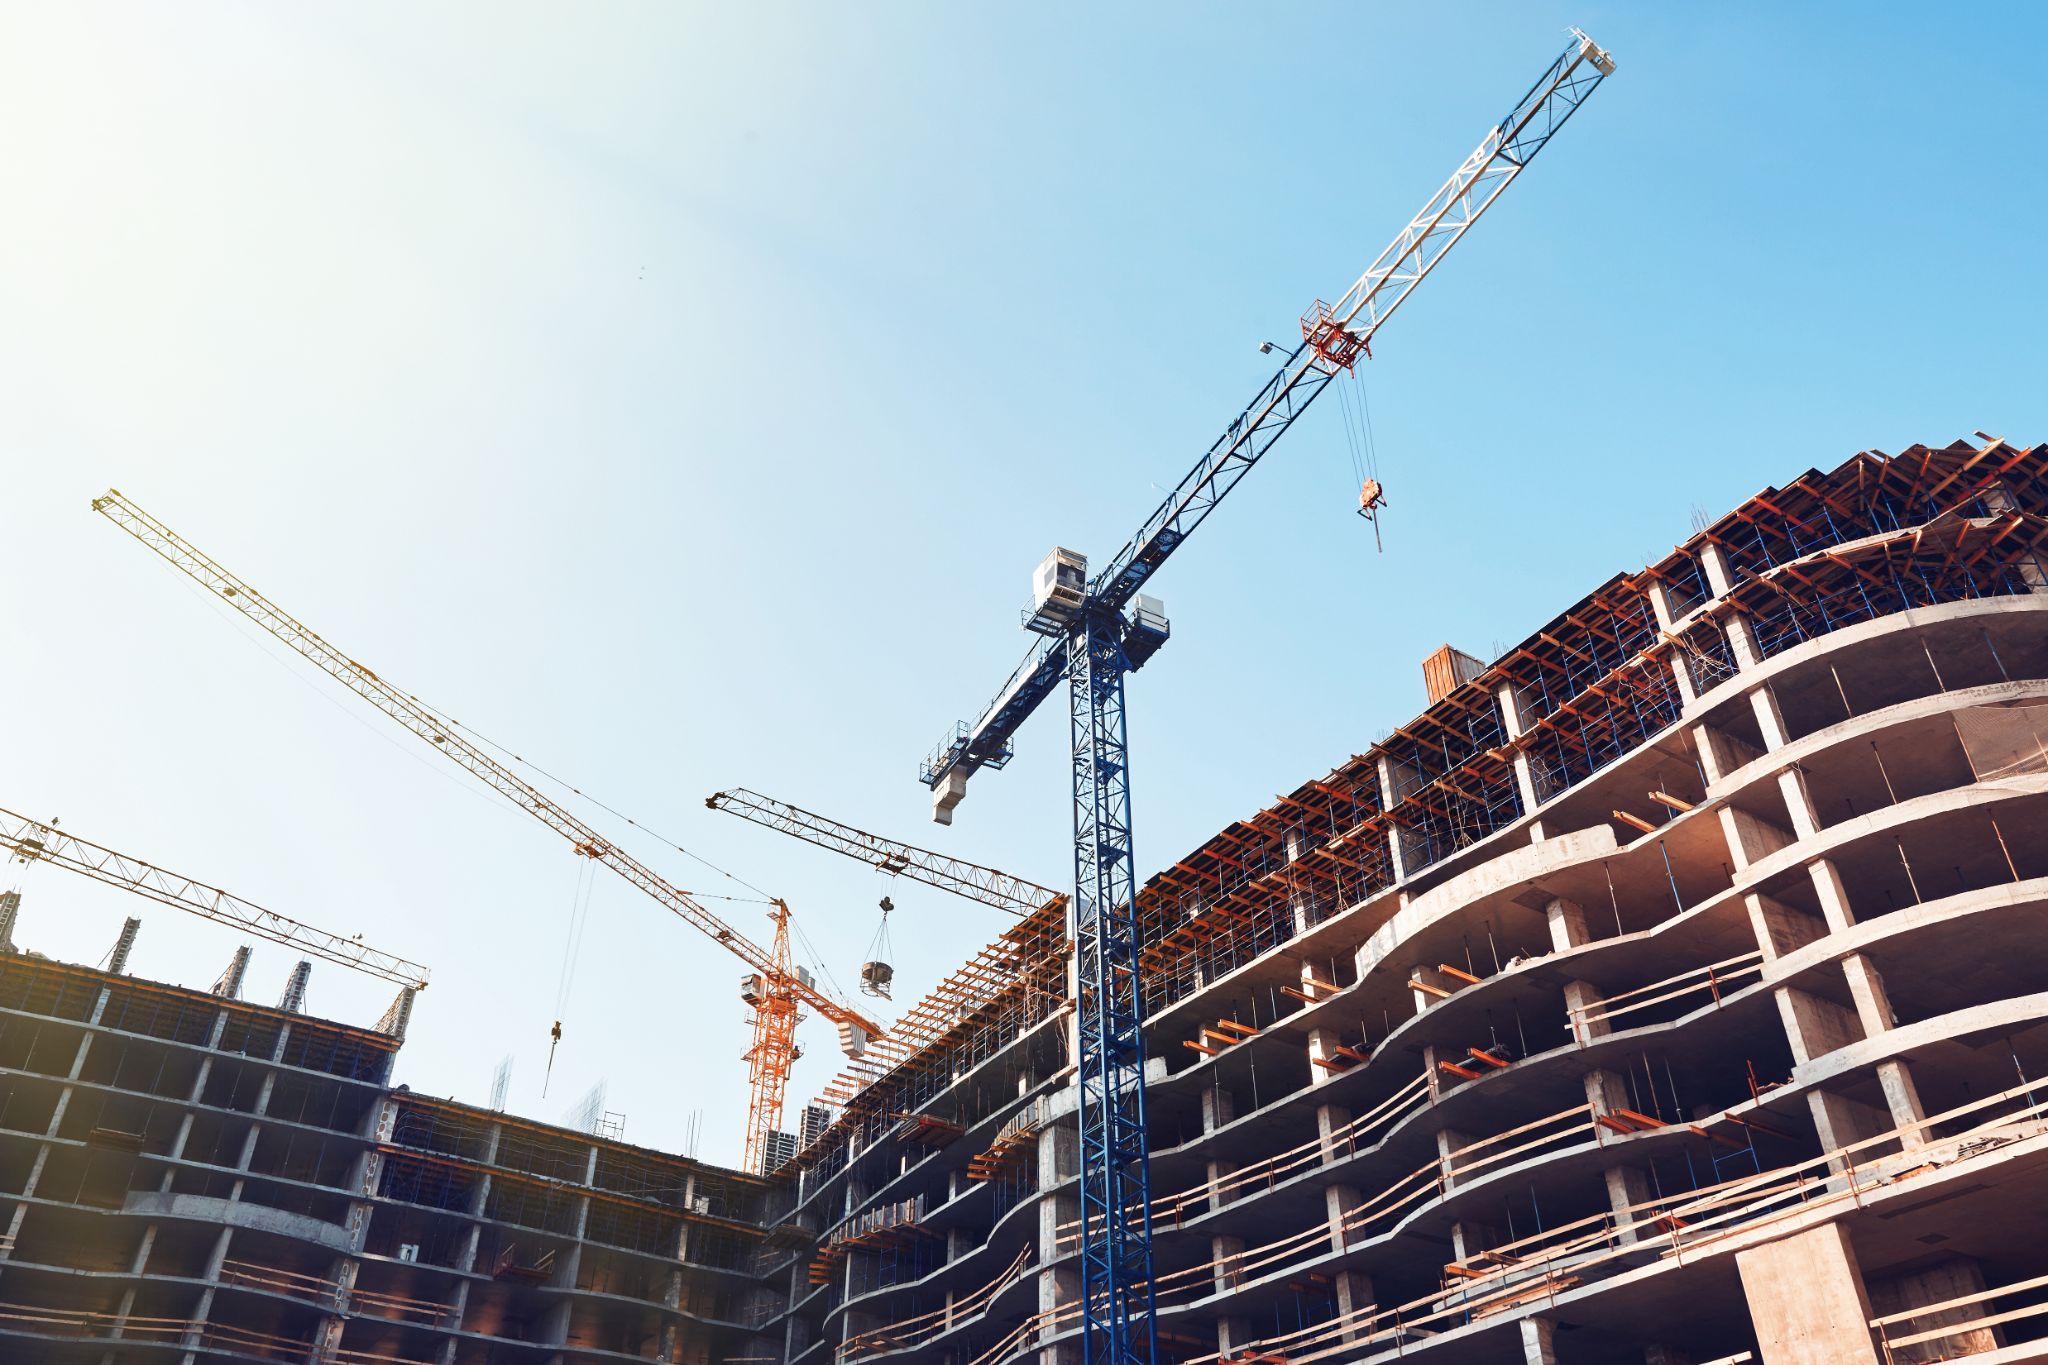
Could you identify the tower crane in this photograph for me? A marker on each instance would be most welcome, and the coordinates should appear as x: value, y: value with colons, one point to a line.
x: 892, y: 856
x: 30, y: 840
x: 774, y: 989
x: 1096, y: 628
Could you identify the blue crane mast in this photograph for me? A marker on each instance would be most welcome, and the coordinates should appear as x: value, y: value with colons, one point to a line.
x: 1094, y: 630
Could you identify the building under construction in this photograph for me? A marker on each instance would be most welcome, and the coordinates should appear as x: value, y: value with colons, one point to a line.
x: 1664, y: 992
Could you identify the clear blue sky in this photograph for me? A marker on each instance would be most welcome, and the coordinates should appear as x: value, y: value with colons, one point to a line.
x: 683, y: 394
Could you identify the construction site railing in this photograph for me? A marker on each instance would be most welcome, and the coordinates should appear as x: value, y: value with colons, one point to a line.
x: 1888, y: 1342
x: 1544, y: 1264
x: 1710, y: 980
x: 1674, y: 1226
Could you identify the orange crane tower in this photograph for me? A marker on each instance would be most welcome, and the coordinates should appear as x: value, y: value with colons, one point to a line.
x: 774, y: 989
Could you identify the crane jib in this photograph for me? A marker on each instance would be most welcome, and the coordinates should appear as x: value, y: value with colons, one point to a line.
x: 1500, y: 157
x: 431, y: 727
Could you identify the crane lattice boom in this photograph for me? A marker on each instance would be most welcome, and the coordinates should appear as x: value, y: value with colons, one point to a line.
x: 782, y: 990
x: 32, y: 841
x: 893, y: 856
x: 1333, y: 336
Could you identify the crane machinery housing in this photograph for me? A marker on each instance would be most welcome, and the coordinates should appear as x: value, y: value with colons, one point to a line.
x: 774, y: 989
x: 1096, y: 629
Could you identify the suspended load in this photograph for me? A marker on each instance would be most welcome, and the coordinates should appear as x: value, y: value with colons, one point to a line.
x: 876, y: 974
x: 1371, y: 498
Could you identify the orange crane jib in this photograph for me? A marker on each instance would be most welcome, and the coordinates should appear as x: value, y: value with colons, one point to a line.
x: 774, y: 989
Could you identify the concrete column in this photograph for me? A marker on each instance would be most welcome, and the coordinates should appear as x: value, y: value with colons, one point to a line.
x: 1769, y: 719
x: 1627, y: 1186
x: 1298, y: 907
x: 204, y: 1308
x: 1720, y: 578
x: 1388, y: 787
x: 1449, y: 1143
x: 1840, y: 1122
x: 1902, y: 1098
x: 1469, y: 1239
x: 1355, y: 1302
x: 1751, y: 838
x: 1539, y: 1341
x: 1512, y: 725
x: 117, y: 965
x: 1219, y: 1107
x: 1606, y: 1091
x: 1338, y: 1202
x: 1834, y: 896
x: 1226, y: 1252
x: 1432, y: 1075
x: 1713, y: 764
x: 1955, y: 1278
x: 1059, y: 1285
x: 1322, y: 1047
x: 1799, y: 803
x: 1807, y: 1303
x: 1867, y: 993
x: 1580, y: 996
x: 1233, y: 1335
x: 1567, y: 921
x: 1333, y: 1123
x: 1430, y: 976
x: 1721, y: 753
x: 1815, y: 1026
x: 1779, y: 928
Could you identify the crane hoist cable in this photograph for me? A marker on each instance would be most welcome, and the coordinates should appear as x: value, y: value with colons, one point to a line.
x: 572, y: 952
x: 566, y: 785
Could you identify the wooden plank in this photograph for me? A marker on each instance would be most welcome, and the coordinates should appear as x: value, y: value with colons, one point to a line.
x: 1448, y: 970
